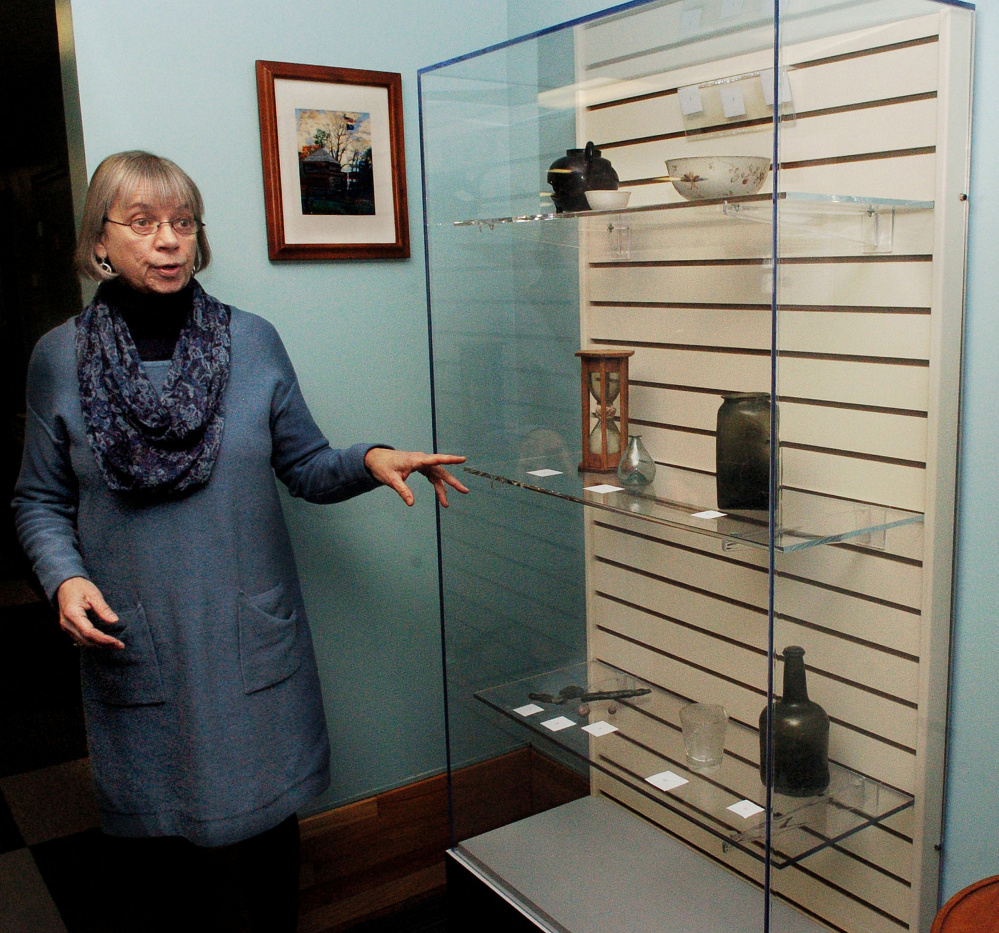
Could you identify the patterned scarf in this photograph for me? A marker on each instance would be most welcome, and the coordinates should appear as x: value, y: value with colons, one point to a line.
x: 145, y: 442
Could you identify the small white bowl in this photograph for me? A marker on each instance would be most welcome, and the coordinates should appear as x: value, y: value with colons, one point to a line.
x: 702, y: 177
x: 606, y: 200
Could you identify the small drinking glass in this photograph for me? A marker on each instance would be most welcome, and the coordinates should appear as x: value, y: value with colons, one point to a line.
x: 704, y: 727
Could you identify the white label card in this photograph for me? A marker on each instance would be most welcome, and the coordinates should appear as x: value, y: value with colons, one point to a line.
x: 600, y: 728
x: 667, y: 780
x: 529, y: 710
x: 767, y: 80
x: 745, y: 808
x: 558, y: 724
x: 544, y: 472
x: 731, y: 8
x: 603, y: 488
x: 690, y: 21
x: 690, y: 100
x: 733, y: 103
x: 709, y: 514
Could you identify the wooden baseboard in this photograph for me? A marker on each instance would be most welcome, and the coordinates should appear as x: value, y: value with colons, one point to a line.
x: 370, y: 858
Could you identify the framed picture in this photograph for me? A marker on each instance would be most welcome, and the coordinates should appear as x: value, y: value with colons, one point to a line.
x: 331, y: 140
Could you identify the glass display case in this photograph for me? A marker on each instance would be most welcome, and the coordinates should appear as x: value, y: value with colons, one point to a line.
x: 685, y: 704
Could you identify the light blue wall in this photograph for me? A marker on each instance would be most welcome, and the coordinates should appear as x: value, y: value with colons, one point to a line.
x: 178, y: 79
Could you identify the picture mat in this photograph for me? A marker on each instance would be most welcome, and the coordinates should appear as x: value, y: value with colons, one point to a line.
x: 289, y: 96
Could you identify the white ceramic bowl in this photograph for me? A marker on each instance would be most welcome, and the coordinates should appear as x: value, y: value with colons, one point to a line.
x: 702, y: 177
x: 607, y: 200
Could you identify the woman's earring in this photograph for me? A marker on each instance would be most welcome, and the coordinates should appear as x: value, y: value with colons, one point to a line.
x: 105, y: 267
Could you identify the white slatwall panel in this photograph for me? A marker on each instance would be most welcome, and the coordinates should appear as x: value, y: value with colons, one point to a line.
x: 905, y: 72
x: 860, y: 284
x: 900, y: 126
x: 902, y: 177
x: 692, y: 299
x: 879, y: 385
x: 801, y: 331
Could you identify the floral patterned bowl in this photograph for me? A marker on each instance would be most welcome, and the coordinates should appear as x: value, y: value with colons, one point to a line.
x: 699, y: 178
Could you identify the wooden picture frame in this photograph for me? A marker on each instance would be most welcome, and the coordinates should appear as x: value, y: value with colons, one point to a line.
x: 334, y: 164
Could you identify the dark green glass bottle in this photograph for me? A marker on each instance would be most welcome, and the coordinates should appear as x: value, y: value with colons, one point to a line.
x: 801, y: 735
x: 743, y: 451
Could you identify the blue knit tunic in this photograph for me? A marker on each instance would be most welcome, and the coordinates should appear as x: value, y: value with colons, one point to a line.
x: 209, y: 724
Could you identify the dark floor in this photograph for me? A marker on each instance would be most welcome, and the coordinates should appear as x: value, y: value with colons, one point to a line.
x: 428, y: 915
x: 51, y: 853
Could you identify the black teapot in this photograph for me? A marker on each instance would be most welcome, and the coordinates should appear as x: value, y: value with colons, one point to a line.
x: 575, y: 173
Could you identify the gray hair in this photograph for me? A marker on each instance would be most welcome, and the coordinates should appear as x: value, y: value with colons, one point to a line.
x: 118, y: 177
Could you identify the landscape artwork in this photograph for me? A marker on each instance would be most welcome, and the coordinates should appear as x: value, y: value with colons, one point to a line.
x: 335, y: 162
x: 333, y: 155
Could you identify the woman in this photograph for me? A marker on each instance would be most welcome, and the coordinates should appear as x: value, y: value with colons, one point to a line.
x: 157, y: 422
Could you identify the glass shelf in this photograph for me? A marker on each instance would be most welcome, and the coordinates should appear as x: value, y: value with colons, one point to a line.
x: 865, y: 222
x: 685, y: 499
x: 799, y: 201
x: 801, y: 826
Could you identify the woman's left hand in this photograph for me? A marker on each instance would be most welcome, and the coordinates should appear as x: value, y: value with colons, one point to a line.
x: 393, y: 468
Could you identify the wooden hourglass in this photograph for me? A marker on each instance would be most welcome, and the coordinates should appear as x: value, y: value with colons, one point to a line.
x: 604, y: 381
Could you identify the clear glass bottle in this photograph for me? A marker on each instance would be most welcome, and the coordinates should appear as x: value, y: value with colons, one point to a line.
x: 636, y: 468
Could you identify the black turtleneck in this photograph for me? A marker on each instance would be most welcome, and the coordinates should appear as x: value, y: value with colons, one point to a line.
x: 154, y: 321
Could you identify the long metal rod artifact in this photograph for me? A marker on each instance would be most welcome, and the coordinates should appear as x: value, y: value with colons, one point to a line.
x: 572, y: 692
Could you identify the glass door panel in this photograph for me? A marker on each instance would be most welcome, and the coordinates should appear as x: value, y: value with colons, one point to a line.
x: 610, y: 646
x: 857, y: 405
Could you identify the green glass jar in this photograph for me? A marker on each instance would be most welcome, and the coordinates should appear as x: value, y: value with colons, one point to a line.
x: 742, y: 447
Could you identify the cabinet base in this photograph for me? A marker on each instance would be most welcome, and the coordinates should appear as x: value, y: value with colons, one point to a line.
x: 474, y: 904
x: 592, y: 866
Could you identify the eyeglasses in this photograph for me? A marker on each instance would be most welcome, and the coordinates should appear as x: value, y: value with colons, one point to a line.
x: 143, y: 226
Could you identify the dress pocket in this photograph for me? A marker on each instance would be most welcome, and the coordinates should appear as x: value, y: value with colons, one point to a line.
x: 268, y: 639
x: 129, y: 676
